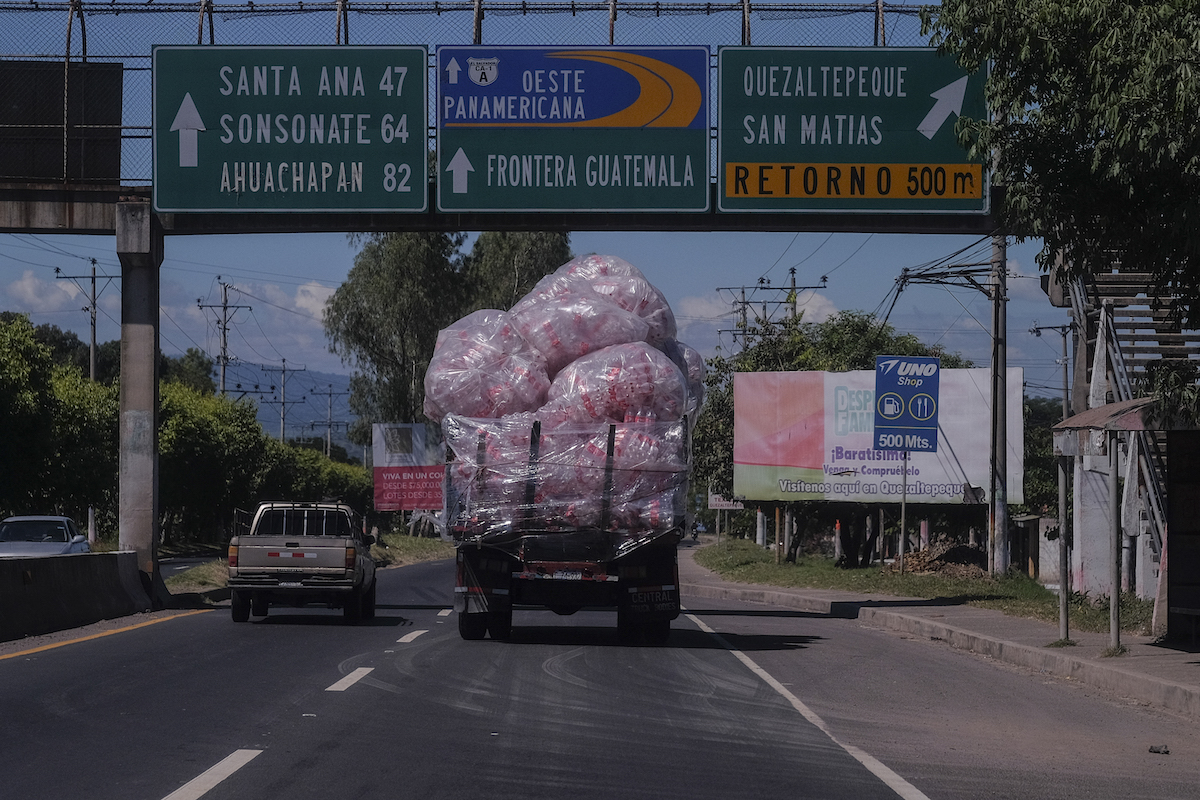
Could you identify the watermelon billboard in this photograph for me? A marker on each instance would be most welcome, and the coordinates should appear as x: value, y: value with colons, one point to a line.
x: 809, y: 436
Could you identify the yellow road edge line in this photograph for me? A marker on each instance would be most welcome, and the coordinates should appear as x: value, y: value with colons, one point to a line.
x: 105, y: 633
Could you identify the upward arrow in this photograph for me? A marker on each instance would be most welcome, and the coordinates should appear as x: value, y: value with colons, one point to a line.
x: 949, y: 101
x: 460, y: 167
x: 187, y: 122
x: 452, y: 69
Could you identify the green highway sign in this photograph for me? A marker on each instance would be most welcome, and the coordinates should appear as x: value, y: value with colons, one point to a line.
x: 810, y: 129
x: 289, y: 129
x: 572, y: 128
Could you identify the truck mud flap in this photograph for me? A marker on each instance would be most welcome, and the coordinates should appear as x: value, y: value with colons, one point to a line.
x: 650, y: 603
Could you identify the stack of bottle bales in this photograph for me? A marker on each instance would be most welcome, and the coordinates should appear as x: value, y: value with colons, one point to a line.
x: 570, y: 411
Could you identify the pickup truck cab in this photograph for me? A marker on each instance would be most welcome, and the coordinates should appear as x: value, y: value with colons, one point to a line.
x: 297, y: 554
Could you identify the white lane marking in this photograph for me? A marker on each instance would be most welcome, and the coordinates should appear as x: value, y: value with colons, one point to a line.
x: 408, y: 637
x: 897, y: 784
x: 202, y: 783
x: 445, y: 612
x: 351, y: 679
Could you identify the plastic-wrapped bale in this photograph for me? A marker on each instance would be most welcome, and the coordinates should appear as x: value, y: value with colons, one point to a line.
x: 623, y: 382
x: 624, y: 284
x: 489, y: 471
x: 691, y: 364
x: 482, y: 367
x: 499, y: 477
x: 566, y: 326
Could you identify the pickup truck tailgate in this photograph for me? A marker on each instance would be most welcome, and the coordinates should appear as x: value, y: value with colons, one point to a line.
x: 312, y: 554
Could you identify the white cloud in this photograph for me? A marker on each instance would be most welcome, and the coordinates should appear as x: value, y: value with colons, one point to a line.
x: 33, y: 295
x: 311, y: 298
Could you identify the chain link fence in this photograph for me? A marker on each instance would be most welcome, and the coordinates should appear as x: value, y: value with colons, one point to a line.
x: 94, y: 127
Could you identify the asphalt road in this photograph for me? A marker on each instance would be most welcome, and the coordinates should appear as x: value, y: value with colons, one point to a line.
x: 777, y: 704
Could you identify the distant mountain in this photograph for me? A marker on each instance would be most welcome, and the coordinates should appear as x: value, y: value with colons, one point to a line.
x: 312, y: 403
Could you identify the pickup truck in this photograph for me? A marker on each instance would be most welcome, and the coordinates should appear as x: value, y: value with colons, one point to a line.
x: 297, y: 554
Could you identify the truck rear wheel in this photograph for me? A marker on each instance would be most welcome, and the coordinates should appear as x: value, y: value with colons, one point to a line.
x: 499, y: 620
x: 472, y: 626
x: 239, y: 602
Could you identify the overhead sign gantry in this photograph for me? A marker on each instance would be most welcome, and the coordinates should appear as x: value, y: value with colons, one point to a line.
x: 290, y: 129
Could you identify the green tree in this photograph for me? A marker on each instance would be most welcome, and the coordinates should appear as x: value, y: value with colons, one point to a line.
x: 1041, y: 469
x: 504, y: 265
x: 384, y: 320
x: 212, y: 456
x: 193, y: 369
x: 847, y: 341
x: 403, y: 289
x: 85, y: 448
x: 1093, y: 130
x: 27, y: 410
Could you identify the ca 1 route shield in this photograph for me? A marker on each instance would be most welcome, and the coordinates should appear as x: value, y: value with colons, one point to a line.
x: 906, y: 403
x: 572, y: 128
x: 851, y: 130
x: 290, y: 129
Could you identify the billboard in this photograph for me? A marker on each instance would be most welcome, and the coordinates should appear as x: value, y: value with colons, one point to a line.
x: 406, y: 478
x: 809, y: 436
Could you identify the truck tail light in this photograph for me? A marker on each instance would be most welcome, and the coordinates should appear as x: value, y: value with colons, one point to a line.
x: 233, y: 555
x: 350, y: 557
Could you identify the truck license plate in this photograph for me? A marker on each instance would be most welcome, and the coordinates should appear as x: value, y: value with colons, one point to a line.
x: 569, y: 575
x: 290, y: 584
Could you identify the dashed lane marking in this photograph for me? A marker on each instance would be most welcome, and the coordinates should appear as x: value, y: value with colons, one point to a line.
x: 351, y: 679
x: 408, y: 637
x: 202, y: 783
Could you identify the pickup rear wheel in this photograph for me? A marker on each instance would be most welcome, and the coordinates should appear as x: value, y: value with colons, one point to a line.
x: 472, y: 626
x: 239, y: 602
x: 352, y: 611
x: 368, y: 603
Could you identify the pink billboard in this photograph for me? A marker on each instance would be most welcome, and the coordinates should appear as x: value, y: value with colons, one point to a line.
x: 809, y: 436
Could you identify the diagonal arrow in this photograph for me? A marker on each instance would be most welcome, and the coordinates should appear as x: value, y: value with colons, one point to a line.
x: 460, y: 167
x: 949, y: 101
x: 453, y: 69
x: 187, y: 122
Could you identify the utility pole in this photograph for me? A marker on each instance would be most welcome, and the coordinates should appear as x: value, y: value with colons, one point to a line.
x: 1064, y: 573
x: 90, y: 308
x: 1000, y: 404
x: 223, y: 327
x: 283, y: 401
x: 329, y: 418
x: 996, y: 290
x: 770, y: 304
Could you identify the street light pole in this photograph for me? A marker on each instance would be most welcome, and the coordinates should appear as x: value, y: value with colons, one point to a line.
x: 1064, y: 572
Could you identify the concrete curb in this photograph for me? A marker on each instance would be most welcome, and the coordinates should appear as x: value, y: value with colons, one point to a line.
x: 1159, y: 692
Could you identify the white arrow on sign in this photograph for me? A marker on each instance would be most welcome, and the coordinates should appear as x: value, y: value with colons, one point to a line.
x: 452, y: 69
x: 460, y: 167
x: 949, y: 101
x: 187, y: 122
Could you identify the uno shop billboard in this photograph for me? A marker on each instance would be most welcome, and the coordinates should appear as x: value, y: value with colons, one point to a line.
x: 846, y: 130
x: 289, y: 129
x: 572, y: 129
x: 406, y: 478
x: 811, y: 436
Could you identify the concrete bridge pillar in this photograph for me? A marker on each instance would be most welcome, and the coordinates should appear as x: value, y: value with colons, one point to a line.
x: 140, y: 250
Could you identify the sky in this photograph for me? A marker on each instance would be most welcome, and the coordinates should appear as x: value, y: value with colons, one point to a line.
x: 284, y: 281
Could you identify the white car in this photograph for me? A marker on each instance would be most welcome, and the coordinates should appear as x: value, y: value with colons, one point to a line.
x: 26, y: 537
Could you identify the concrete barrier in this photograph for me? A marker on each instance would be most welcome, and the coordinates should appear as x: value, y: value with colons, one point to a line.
x: 53, y: 593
